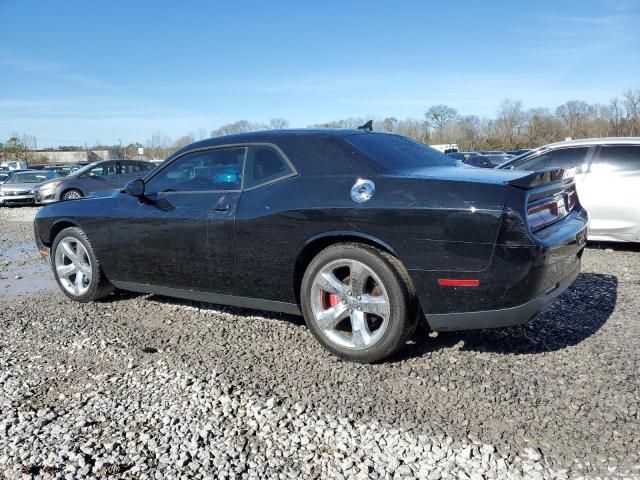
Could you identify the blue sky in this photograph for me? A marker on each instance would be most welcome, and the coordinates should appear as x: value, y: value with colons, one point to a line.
x: 80, y: 71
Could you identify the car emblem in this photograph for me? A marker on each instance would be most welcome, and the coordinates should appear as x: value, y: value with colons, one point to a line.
x: 362, y: 190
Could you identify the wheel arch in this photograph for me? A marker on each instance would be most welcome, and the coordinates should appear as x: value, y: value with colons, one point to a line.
x: 60, y: 225
x: 71, y: 187
x: 317, y: 243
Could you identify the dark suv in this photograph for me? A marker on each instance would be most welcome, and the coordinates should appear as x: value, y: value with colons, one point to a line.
x: 95, y: 177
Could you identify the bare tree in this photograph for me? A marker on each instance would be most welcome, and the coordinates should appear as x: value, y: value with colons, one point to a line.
x: 158, y: 146
x: 469, y: 132
x: 574, y: 114
x: 439, y: 116
x: 616, y: 116
x: 509, y: 121
x: 19, y: 147
x: 278, y: 123
x: 632, y: 106
x: 183, y: 141
x: 389, y: 124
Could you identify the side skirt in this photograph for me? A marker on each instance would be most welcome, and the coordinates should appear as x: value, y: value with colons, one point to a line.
x: 243, y: 302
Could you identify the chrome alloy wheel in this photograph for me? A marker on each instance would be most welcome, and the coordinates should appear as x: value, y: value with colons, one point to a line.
x: 73, y: 266
x: 71, y: 195
x: 350, y: 304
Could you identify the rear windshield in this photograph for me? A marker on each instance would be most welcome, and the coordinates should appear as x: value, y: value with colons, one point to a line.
x: 395, y: 152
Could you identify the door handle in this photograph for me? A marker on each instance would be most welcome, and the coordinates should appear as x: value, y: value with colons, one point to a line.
x: 222, y: 208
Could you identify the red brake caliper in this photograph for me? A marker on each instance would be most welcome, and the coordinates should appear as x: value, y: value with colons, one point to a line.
x: 329, y: 300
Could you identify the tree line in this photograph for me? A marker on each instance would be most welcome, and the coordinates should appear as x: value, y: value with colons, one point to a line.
x: 511, y: 127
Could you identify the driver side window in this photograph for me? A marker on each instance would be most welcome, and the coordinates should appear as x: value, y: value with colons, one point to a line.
x: 206, y: 171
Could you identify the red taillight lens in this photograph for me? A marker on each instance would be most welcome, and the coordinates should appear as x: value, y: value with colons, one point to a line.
x: 546, y: 211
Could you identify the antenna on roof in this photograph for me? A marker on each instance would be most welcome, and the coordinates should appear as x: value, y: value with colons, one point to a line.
x: 367, y: 127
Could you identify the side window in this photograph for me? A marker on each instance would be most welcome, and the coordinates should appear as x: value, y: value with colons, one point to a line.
x: 110, y: 168
x: 97, y: 171
x: 129, y: 166
x: 146, y: 166
x: 265, y: 165
x: 618, y: 158
x: 561, y: 158
x: 209, y: 170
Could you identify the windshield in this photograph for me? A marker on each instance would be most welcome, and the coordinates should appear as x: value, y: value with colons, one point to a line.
x: 398, y: 153
x: 28, y: 177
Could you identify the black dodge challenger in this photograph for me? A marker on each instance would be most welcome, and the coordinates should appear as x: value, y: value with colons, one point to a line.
x: 364, y: 233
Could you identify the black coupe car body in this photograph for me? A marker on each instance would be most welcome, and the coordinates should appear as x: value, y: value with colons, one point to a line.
x: 239, y: 219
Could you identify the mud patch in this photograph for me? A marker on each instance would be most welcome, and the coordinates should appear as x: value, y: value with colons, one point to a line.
x: 23, y: 271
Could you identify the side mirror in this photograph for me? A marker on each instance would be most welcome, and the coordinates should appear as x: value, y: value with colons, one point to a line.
x: 135, y: 188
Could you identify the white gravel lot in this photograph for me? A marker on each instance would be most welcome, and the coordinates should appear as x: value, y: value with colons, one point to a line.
x: 142, y: 386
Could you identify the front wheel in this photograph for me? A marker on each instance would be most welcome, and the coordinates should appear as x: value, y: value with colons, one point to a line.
x: 76, y: 267
x: 358, y: 302
x: 71, y: 194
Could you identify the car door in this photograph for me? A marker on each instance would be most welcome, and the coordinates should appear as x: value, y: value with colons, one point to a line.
x: 611, y: 193
x: 181, y: 234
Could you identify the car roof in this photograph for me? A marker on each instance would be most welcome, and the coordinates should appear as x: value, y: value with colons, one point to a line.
x: 272, y: 136
x: 594, y: 141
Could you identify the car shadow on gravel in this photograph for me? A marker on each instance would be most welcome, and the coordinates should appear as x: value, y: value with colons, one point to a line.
x: 614, y: 246
x: 576, y: 315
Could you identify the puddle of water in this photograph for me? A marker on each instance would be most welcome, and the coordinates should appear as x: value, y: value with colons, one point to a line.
x: 34, y: 277
x: 19, y: 251
x: 23, y: 261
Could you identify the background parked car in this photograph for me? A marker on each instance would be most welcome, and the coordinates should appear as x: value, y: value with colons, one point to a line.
x: 462, y: 156
x: 488, y: 161
x: 608, y: 180
x: 18, y: 188
x: 95, y: 177
x: 521, y: 151
x: 62, y: 170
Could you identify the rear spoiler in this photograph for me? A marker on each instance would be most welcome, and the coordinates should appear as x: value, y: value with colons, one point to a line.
x: 543, y: 177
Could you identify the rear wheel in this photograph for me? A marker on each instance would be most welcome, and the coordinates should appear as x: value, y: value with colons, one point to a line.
x: 358, y: 302
x: 76, y: 267
x: 71, y: 194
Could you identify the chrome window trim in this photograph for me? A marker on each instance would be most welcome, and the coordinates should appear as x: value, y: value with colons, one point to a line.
x: 293, y: 172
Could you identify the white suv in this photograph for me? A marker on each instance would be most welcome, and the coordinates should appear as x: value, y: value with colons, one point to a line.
x: 608, y: 179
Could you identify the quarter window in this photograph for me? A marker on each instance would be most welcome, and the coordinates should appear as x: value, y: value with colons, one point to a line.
x: 209, y: 170
x: 562, y: 158
x: 618, y: 158
x: 265, y: 165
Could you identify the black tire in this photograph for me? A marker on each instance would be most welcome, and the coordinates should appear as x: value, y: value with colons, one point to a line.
x: 99, y: 287
x: 71, y: 194
x: 400, y: 291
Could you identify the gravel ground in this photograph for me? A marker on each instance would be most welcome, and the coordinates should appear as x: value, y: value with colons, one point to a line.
x: 142, y: 386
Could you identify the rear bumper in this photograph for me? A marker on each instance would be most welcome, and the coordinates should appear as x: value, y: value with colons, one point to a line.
x: 520, y: 282
x: 504, y: 317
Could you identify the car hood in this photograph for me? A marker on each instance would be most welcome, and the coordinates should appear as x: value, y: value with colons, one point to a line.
x: 17, y: 187
x: 57, y: 179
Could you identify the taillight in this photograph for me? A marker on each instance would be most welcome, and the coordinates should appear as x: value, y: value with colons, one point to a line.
x: 546, y: 211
